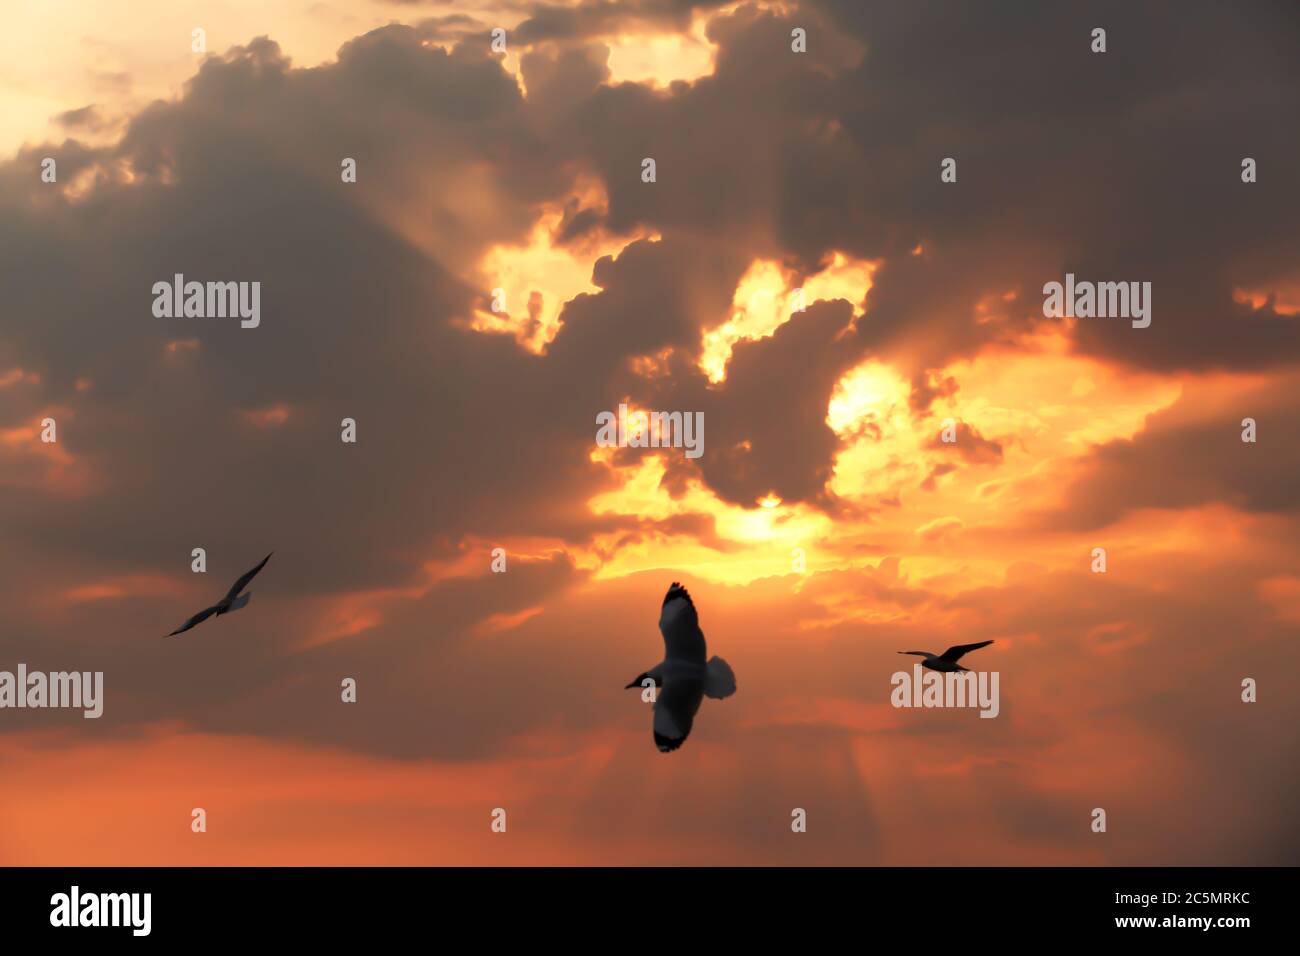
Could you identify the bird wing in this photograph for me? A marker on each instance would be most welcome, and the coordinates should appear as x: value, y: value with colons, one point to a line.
x: 719, y: 679
x: 196, y: 619
x: 953, y: 654
x: 680, y: 626
x: 917, y: 653
x: 675, y: 709
x: 243, y: 582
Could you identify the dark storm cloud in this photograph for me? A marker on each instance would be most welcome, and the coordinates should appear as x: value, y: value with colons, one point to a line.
x: 1115, y: 166
x: 355, y: 323
x: 558, y: 79
x: 766, y: 431
x: 651, y: 298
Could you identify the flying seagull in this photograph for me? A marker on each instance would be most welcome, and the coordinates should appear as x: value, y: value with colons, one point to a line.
x: 683, y: 677
x: 231, y: 602
x: 947, y: 661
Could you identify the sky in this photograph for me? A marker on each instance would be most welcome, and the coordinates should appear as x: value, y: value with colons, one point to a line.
x: 799, y: 272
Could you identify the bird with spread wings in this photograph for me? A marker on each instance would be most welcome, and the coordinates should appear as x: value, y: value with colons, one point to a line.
x: 947, y: 661
x: 231, y: 602
x: 684, y: 677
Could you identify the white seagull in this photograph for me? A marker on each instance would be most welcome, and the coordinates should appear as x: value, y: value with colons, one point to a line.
x: 231, y: 602
x: 683, y: 677
x: 947, y: 661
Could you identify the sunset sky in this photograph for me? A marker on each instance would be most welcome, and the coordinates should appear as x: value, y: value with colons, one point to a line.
x: 826, y: 525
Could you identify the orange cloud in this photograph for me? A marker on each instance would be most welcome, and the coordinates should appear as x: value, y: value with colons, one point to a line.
x: 273, y: 416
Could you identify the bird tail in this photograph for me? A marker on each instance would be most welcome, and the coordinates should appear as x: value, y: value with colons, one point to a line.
x: 719, y: 679
x: 241, y: 601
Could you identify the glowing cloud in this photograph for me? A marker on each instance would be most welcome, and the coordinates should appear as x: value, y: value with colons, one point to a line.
x: 766, y: 297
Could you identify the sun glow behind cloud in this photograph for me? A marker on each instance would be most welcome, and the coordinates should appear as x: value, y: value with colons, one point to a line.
x: 922, y: 499
x: 539, y: 276
x: 759, y: 541
x: 660, y: 60
x: 768, y: 295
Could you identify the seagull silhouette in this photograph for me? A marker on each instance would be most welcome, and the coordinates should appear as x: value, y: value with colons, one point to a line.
x: 683, y: 677
x: 231, y: 602
x: 947, y: 661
